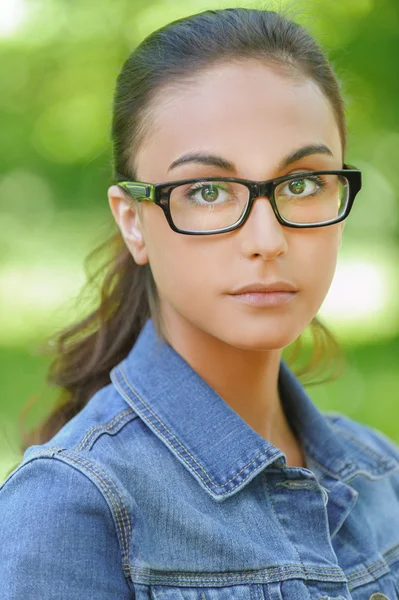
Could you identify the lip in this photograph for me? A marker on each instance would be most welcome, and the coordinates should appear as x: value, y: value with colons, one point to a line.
x: 271, y: 294
x: 264, y: 288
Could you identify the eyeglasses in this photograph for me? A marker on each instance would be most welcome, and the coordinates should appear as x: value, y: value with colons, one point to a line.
x: 205, y: 206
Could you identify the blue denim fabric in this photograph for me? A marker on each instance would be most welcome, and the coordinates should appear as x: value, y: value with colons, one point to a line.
x: 159, y: 490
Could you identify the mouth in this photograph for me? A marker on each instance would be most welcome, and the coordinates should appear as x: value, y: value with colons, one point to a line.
x: 270, y: 298
x: 273, y: 293
x: 271, y: 286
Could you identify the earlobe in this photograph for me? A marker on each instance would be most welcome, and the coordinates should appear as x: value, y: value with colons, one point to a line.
x: 127, y: 217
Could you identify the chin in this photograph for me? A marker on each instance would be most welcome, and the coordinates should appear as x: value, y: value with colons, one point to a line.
x: 261, y: 339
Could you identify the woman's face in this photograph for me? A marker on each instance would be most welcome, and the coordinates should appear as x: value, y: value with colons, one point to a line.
x: 255, y: 118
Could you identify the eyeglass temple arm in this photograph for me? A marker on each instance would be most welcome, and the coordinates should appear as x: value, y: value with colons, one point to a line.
x: 139, y: 191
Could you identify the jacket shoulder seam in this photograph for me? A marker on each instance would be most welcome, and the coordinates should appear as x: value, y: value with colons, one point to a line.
x: 113, y: 497
x: 382, y: 458
x: 106, y: 486
x: 111, y: 428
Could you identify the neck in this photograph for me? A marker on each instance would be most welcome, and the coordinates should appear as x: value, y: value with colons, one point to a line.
x: 246, y: 380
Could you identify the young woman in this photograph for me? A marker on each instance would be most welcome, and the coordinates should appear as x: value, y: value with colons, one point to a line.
x: 186, y: 460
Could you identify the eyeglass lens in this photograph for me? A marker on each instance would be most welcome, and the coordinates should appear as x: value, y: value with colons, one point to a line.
x: 213, y: 205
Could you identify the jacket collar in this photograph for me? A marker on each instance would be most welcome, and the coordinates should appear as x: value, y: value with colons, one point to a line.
x: 208, y: 437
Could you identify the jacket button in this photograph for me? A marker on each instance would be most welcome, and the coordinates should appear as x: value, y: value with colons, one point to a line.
x: 378, y: 596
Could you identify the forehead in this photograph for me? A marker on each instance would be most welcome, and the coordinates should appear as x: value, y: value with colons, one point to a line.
x: 247, y: 112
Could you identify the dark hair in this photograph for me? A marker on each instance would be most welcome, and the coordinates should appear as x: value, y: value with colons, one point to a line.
x: 85, y: 352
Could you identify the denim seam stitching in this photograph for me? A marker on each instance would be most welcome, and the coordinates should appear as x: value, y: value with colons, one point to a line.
x: 374, y: 566
x: 107, y: 489
x: 104, y: 428
x: 113, y: 496
x: 177, y: 582
x: 372, y: 453
x: 188, y: 452
x: 55, y: 452
x: 349, y: 476
x: 268, y: 592
x: 259, y: 591
x: 276, y: 573
x: 364, y: 574
x: 392, y: 552
x: 254, y: 592
x: 49, y: 451
x: 298, y: 569
x: 283, y: 528
x: 337, y: 475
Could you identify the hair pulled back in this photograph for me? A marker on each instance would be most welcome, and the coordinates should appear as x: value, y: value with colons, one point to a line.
x: 84, y: 353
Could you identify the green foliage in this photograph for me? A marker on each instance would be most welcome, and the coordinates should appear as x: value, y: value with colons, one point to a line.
x: 58, y: 64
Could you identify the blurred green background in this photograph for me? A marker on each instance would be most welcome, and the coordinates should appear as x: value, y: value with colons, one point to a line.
x: 58, y: 63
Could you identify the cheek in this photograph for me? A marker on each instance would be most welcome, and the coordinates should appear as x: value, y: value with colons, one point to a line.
x: 178, y: 262
x: 318, y: 249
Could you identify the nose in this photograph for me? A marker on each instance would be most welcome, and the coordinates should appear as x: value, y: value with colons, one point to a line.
x: 262, y: 235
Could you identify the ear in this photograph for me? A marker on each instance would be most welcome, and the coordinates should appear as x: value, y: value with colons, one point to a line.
x: 128, y: 218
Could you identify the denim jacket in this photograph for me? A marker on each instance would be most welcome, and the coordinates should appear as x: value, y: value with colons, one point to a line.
x: 157, y: 489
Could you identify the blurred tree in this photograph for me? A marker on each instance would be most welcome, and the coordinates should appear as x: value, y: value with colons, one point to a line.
x: 59, y: 60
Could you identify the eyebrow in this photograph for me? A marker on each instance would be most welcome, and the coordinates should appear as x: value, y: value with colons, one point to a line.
x: 217, y: 161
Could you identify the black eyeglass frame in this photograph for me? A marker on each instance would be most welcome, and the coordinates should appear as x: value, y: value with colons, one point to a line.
x: 159, y: 194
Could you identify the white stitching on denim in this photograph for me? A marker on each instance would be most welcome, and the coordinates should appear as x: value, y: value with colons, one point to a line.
x: 251, y: 592
x: 180, y: 581
x: 294, y: 572
x: 111, y: 495
x: 109, y: 491
x: 105, y: 428
x: 283, y: 529
x: 365, y: 575
x: 298, y: 570
x: 327, y: 470
x: 392, y: 554
x: 44, y: 453
x: 188, y: 452
x: 366, y: 449
x: 267, y: 592
x: 271, y: 574
x: 348, y: 477
x: 259, y: 591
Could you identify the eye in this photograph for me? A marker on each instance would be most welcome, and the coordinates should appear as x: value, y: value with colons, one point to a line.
x: 300, y: 187
x: 209, y: 193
